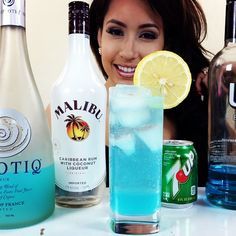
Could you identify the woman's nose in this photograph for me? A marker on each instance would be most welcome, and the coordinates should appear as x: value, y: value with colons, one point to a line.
x: 129, y: 50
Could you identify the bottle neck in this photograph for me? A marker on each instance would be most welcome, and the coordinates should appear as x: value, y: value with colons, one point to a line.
x: 230, y: 23
x: 78, y: 32
x: 78, y: 47
x: 12, y: 13
x: 13, y: 45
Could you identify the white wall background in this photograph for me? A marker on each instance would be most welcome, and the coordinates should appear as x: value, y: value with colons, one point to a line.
x: 47, y: 37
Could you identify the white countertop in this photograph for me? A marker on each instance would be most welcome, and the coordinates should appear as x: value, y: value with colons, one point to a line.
x: 199, y: 220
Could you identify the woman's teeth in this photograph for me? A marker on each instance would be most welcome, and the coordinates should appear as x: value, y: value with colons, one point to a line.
x: 126, y: 69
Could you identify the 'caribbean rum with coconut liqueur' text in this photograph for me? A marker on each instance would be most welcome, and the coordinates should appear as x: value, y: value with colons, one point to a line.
x: 27, y: 185
x: 78, y: 120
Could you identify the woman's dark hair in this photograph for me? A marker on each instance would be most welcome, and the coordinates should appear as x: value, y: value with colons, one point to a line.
x: 184, y: 29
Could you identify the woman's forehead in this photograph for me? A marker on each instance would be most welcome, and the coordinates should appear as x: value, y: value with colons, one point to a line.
x: 136, y: 10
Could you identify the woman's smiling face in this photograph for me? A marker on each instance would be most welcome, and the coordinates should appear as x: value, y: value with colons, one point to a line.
x: 131, y: 30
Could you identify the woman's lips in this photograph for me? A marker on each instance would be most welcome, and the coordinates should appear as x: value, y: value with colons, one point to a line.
x: 125, y: 71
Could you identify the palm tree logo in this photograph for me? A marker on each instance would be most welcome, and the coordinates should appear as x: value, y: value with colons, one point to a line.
x: 77, y: 129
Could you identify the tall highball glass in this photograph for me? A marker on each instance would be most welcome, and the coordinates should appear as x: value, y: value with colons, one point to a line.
x: 135, y: 151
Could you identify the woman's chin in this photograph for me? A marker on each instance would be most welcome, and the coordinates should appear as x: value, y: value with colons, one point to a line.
x: 124, y: 80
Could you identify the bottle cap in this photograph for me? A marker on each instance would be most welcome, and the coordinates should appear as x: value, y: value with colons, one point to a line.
x: 78, y: 17
x: 12, y: 12
x: 230, y: 21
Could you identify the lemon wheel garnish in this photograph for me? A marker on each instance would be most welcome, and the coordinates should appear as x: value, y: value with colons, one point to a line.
x: 164, y: 73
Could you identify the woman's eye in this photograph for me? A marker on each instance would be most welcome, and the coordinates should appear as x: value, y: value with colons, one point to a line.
x: 148, y: 35
x: 115, y: 32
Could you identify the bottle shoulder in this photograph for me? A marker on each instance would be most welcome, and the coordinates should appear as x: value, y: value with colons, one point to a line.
x: 80, y: 91
x: 224, y: 59
x: 75, y: 80
x: 227, y: 53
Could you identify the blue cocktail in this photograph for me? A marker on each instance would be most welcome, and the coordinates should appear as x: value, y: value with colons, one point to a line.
x: 135, y: 146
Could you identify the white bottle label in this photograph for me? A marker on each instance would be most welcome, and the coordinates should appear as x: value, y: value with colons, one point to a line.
x: 15, y: 133
x: 79, y: 149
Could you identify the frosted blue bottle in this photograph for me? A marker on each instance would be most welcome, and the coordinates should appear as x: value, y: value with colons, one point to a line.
x: 27, y: 188
x: 221, y: 185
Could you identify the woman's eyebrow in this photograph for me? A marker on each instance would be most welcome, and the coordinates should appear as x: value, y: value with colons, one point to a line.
x: 120, y: 23
x: 147, y: 25
x: 116, y: 22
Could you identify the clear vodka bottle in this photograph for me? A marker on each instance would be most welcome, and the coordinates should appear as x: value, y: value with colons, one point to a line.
x: 221, y: 185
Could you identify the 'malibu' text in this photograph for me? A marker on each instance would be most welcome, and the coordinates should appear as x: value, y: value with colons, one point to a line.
x: 74, y: 106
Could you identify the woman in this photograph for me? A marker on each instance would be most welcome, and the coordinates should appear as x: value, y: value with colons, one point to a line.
x: 124, y: 31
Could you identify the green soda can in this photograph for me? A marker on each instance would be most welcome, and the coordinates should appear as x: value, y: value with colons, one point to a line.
x: 179, y: 174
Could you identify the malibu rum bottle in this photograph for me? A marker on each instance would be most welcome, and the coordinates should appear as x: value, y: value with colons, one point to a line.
x: 27, y: 187
x: 78, y: 108
x: 221, y: 185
